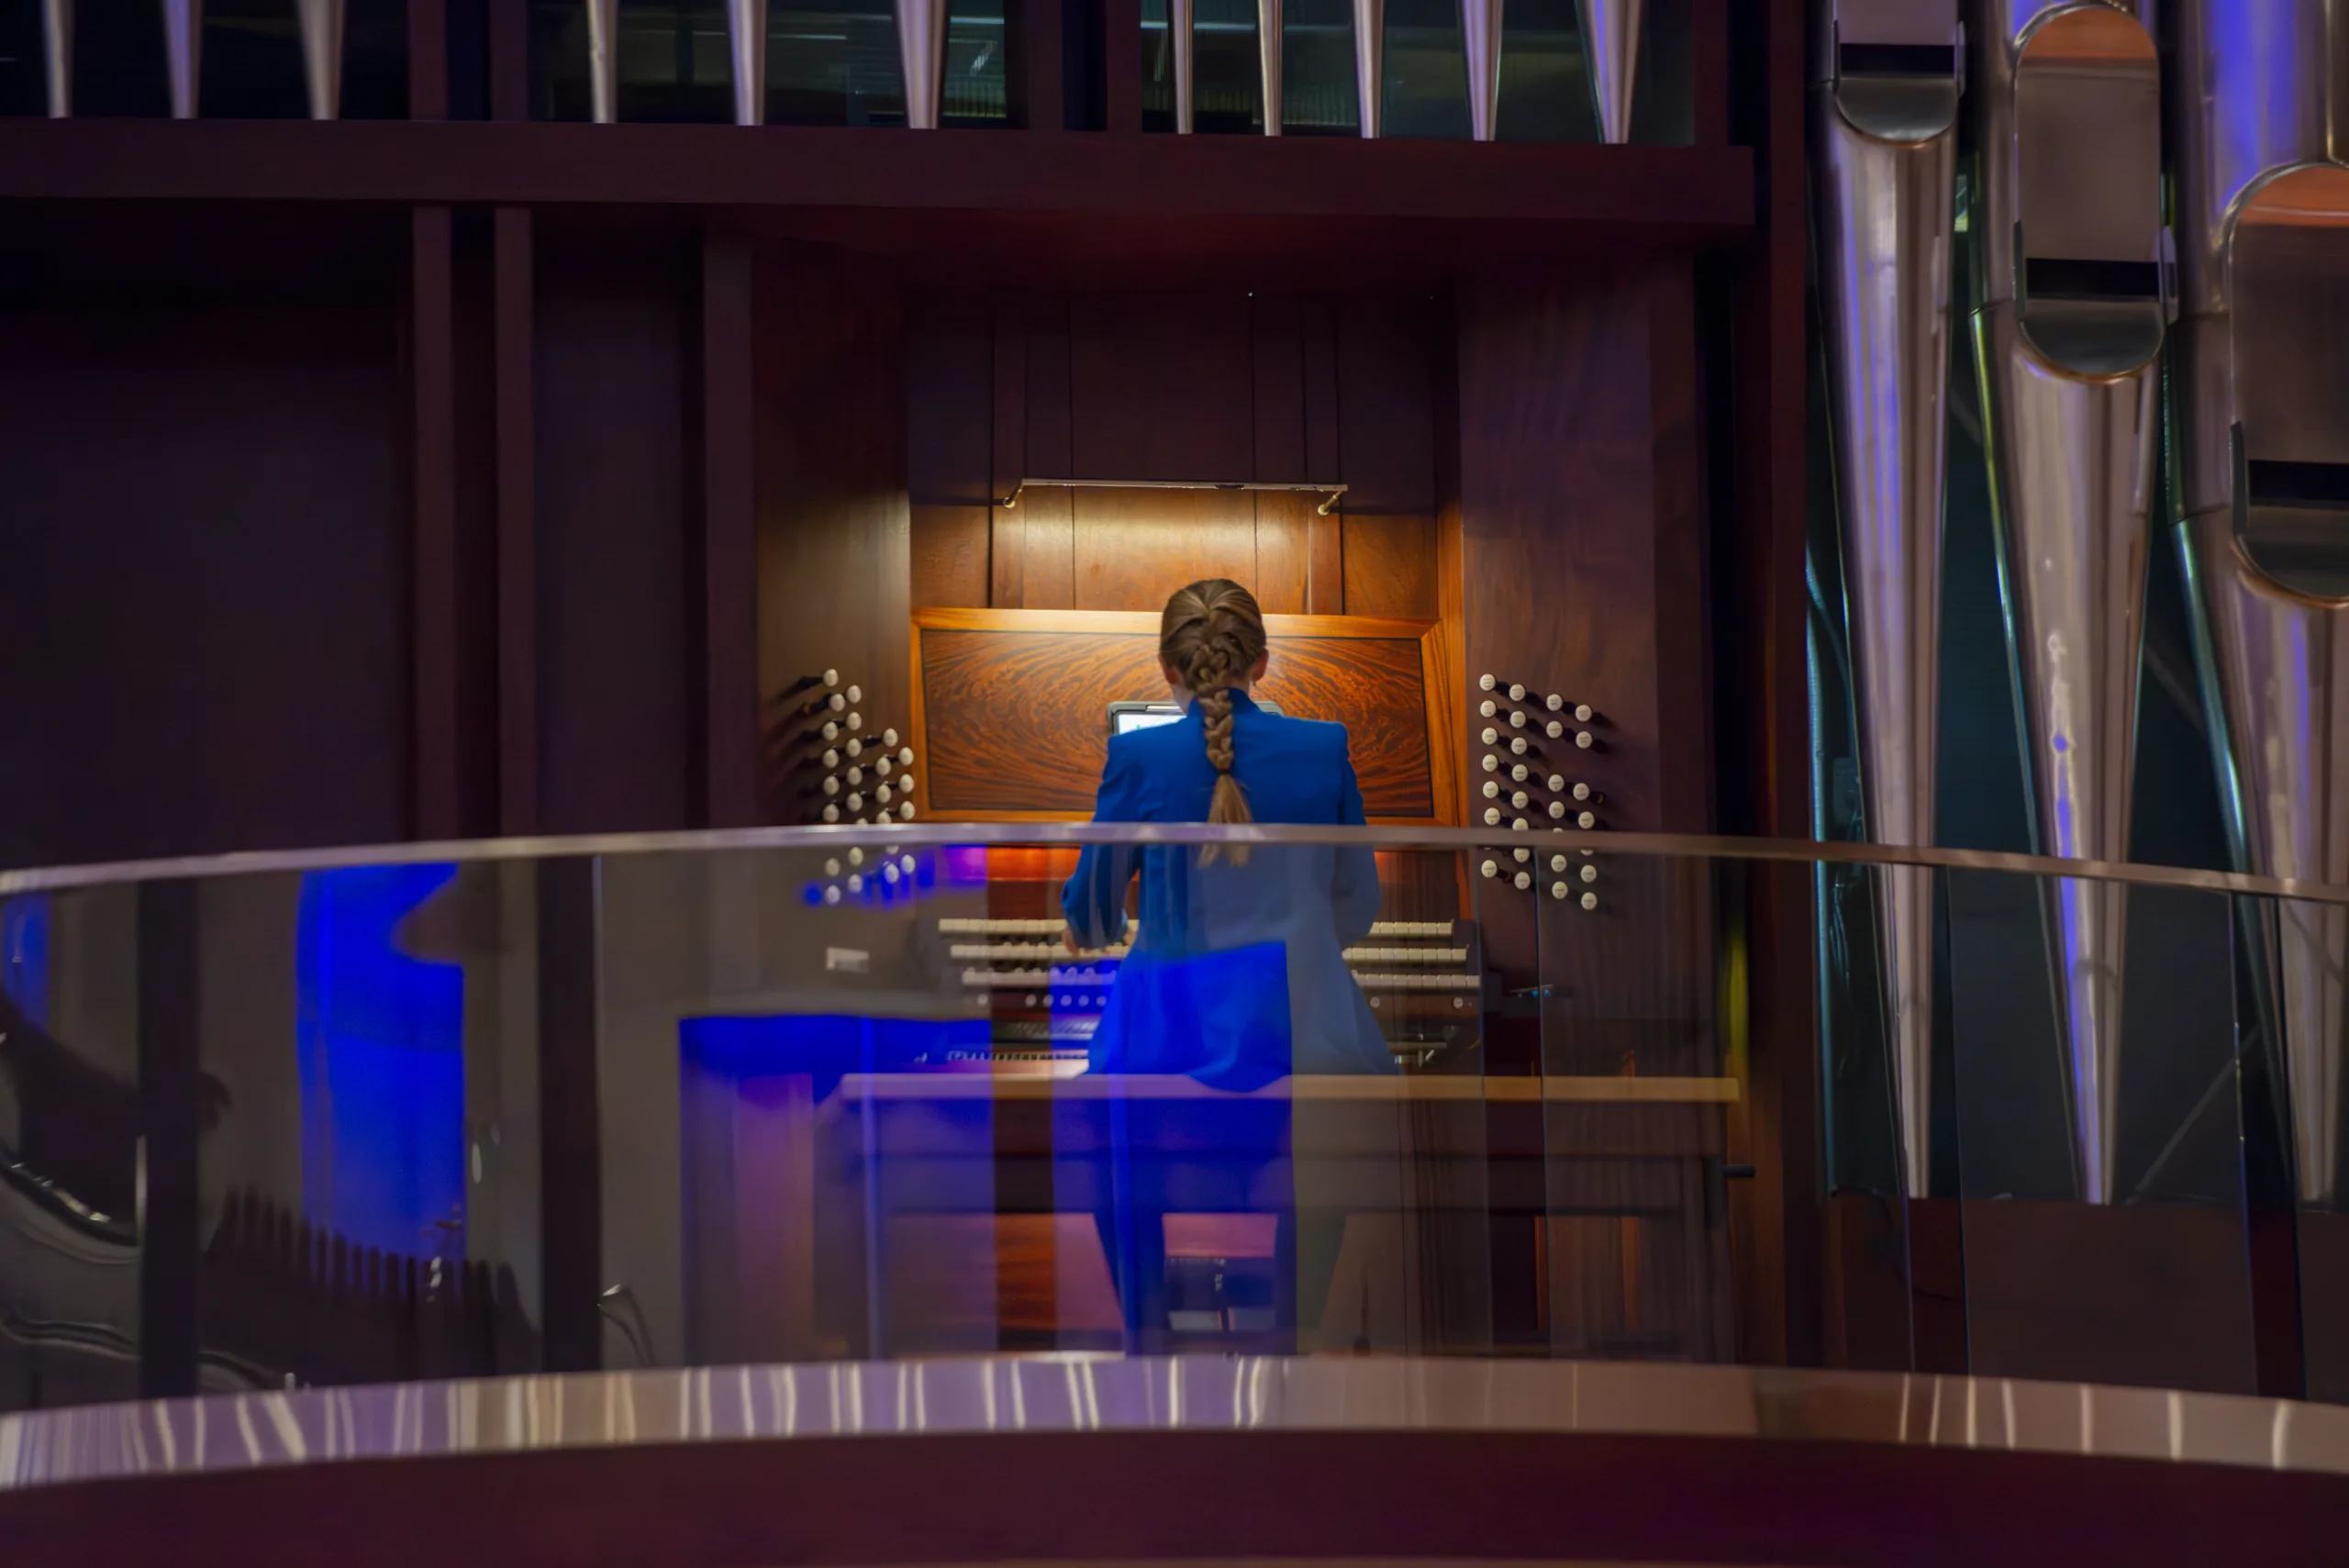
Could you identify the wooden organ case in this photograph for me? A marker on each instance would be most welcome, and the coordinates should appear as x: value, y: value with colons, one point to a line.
x: 980, y: 496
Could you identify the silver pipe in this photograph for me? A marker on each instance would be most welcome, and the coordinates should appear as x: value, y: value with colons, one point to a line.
x: 322, y: 31
x: 922, y: 48
x: 1480, y: 36
x: 2263, y: 442
x: 1181, y: 39
x: 2068, y: 336
x: 1269, y: 23
x: 604, y: 60
x: 57, y: 55
x: 1883, y: 167
x: 183, y: 54
x: 1370, y: 64
x: 1611, y: 45
x: 746, y: 34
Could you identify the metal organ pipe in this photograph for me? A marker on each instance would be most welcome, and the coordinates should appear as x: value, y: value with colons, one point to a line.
x: 184, y: 54
x: 57, y: 55
x: 921, y: 50
x: 2068, y: 336
x: 322, y: 29
x: 2261, y: 430
x: 1370, y: 64
x: 746, y: 33
x: 1610, y: 43
x: 1883, y: 153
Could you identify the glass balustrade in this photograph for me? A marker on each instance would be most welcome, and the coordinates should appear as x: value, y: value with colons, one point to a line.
x: 859, y: 1092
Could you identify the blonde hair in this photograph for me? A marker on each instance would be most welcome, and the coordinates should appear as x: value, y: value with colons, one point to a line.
x: 1212, y: 635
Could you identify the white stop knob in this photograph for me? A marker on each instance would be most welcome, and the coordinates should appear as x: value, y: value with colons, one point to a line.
x: 888, y: 738
x: 1490, y: 737
x: 1582, y: 739
x: 1583, y: 714
x: 1591, y: 900
x: 1582, y: 791
x: 1491, y: 761
x: 905, y: 756
x: 1492, y: 788
x: 1490, y: 868
x: 1587, y: 821
x: 831, y: 677
x: 1487, y: 683
x: 836, y: 702
x: 1516, y: 692
x: 1518, y: 747
x: 831, y: 813
x: 1523, y: 879
x: 1557, y: 863
x: 1492, y: 816
x: 831, y: 730
x: 906, y: 812
x: 1591, y: 874
x: 856, y: 857
x: 1557, y: 810
x: 1519, y: 799
x: 1554, y: 702
x: 1554, y: 729
x: 1488, y: 708
x: 855, y: 721
x: 1558, y: 890
x: 831, y: 786
x: 831, y: 895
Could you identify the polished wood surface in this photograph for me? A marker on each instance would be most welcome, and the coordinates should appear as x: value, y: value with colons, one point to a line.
x: 1349, y: 1497
x: 1013, y: 716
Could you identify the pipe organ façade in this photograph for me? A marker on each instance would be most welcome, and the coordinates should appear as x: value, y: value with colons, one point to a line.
x: 2081, y: 299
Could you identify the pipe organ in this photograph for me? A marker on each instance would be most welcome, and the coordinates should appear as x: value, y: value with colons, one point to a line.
x: 1610, y: 31
x: 2082, y: 301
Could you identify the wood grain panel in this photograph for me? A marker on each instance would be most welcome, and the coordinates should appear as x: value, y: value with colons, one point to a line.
x: 950, y: 400
x: 1007, y: 461
x: 949, y: 555
x: 1277, y: 341
x: 835, y: 564
x: 1160, y: 386
x: 1385, y: 405
x: 1283, y: 524
x: 1133, y: 548
x: 1389, y: 565
x: 1012, y: 718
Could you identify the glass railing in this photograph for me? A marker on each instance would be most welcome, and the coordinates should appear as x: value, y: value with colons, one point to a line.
x: 869, y: 1092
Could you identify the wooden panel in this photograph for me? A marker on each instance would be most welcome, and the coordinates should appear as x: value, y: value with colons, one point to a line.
x: 1013, y: 719
x: 1159, y: 386
x: 950, y: 456
x: 949, y: 555
x: 202, y: 553
x: 835, y: 563
x: 1385, y: 405
x: 1007, y: 461
x: 432, y: 495
x: 1283, y: 525
x: 1389, y: 565
x: 1277, y: 340
x: 513, y: 287
x: 613, y: 464
x: 1133, y: 548
x: 726, y: 597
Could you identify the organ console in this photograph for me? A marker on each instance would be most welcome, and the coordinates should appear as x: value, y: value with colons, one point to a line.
x: 850, y: 780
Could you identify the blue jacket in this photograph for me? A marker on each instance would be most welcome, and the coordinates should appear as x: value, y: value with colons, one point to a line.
x: 1237, y: 975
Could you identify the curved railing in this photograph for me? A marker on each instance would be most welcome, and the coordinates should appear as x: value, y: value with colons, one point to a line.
x: 839, y: 1094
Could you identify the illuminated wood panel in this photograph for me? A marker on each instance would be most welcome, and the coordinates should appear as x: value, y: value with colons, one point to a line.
x: 1010, y: 715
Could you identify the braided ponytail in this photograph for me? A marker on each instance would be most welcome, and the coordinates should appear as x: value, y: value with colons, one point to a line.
x: 1211, y: 636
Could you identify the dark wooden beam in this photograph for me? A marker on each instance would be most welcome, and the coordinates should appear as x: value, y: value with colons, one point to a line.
x: 427, y: 60
x: 726, y: 607
x: 1173, y: 181
x: 432, y: 479
x: 514, y: 309
x: 1120, y: 64
x: 1038, y: 56
x: 509, y: 60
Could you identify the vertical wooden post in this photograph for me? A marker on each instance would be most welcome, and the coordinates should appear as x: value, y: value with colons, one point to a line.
x: 512, y: 308
x: 432, y: 477
x: 725, y: 543
x: 1121, y: 64
x: 427, y: 60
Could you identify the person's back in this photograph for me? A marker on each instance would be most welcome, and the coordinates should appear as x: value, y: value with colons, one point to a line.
x: 1238, y: 972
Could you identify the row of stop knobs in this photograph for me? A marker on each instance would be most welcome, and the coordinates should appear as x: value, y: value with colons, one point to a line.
x: 857, y: 772
x: 1520, y: 732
